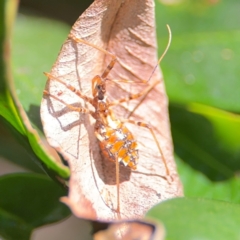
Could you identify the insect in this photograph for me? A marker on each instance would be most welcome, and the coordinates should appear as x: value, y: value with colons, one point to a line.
x: 116, y: 141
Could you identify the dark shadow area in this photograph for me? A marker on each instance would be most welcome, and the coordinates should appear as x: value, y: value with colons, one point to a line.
x: 34, y: 116
x: 66, y: 11
x: 197, y: 144
x: 15, y: 148
x: 109, y: 172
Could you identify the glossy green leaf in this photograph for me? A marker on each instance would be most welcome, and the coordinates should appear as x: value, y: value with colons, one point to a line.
x: 13, y: 147
x: 39, y: 53
x: 186, y: 218
x: 7, y: 105
x: 206, y: 138
x: 28, y: 201
x: 225, y: 124
x: 202, y: 79
x: 212, y: 151
x: 196, y: 184
x: 10, y: 108
x: 202, y: 62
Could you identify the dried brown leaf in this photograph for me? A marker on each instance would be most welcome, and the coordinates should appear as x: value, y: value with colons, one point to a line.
x: 130, y: 230
x: 127, y: 29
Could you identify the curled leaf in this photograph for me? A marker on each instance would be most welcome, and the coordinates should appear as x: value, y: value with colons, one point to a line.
x: 126, y: 29
x: 141, y: 230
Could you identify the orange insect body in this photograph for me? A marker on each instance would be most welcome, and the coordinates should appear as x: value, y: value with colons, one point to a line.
x: 120, y: 146
x: 115, y: 140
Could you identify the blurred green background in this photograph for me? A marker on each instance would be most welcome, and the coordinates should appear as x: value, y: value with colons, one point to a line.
x: 201, y: 72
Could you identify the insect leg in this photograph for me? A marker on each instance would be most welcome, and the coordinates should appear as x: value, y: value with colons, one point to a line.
x: 100, y: 138
x: 70, y: 87
x: 137, y: 95
x: 76, y: 109
x: 149, y: 127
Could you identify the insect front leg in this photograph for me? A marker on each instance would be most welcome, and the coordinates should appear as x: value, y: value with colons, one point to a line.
x: 70, y: 87
x: 76, y: 109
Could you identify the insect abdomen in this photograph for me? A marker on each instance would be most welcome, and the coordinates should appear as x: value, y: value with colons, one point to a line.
x: 119, y: 145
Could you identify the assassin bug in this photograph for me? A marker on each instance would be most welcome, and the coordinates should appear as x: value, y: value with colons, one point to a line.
x: 116, y: 142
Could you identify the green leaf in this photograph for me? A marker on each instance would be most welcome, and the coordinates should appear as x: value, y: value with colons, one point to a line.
x: 202, y: 62
x: 10, y: 107
x: 206, y: 138
x: 7, y: 108
x: 39, y: 53
x: 196, y: 184
x: 202, y: 79
x: 15, y: 149
x: 225, y: 124
x: 186, y: 218
x: 28, y: 201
